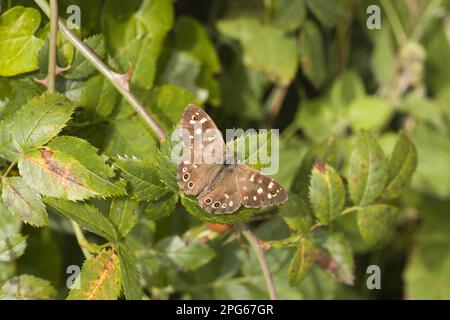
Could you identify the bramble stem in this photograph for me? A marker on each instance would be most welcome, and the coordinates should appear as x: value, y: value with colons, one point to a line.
x: 117, y: 80
x: 51, y: 73
x: 253, y: 240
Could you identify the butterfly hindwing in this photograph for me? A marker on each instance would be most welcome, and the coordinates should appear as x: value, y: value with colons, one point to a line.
x: 258, y: 190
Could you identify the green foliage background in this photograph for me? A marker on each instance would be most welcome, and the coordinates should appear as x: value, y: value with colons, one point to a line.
x: 364, y: 149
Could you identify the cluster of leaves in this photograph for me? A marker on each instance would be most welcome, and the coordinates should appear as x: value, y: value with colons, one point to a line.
x: 360, y: 111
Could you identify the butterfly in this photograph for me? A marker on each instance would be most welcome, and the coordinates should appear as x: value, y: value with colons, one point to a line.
x: 220, y: 187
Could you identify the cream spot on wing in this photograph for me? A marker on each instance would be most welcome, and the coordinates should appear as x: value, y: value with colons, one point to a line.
x: 260, y: 190
x: 226, y: 195
x: 211, y: 138
x: 196, y: 113
x: 186, y: 162
x: 246, y: 197
x: 191, y: 136
x: 184, y: 169
x: 230, y: 203
x: 192, y: 121
x: 252, y: 177
x: 195, y: 166
x: 224, y: 205
x: 270, y: 185
x: 259, y: 180
x: 254, y: 198
x: 198, y: 131
x: 269, y: 196
x: 203, y: 120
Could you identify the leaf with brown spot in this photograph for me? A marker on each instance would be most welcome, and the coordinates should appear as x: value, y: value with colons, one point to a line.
x: 54, y: 173
x: 23, y: 202
x: 99, y: 279
x: 301, y: 263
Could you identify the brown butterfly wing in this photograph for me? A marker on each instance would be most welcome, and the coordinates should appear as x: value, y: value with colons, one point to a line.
x: 223, y: 196
x: 194, y: 178
x: 258, y: 190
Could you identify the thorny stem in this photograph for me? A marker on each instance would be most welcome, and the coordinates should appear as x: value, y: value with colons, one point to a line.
x: 51, y: 73
x: 253, y: 240
x: 118, y: 82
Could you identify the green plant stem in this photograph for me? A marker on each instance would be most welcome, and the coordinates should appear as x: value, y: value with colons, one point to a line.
x: 253, y: 240
x: 82, y: 242
x: 396, y: 24
x: 276, y: 101
x: 425, y: 19
x: 51, y: 73
x: 119, y: 81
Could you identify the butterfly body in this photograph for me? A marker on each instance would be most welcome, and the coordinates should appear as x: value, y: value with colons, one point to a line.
x: 221, y: 187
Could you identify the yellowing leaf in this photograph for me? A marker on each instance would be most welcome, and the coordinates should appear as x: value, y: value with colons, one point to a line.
x: 376, y: 223
x: 301, y: 263
x: 327, y: 192
x: 24, y: 202
x: 19, y: 48
x: 99, y: 278
x: 368, y: 170
x: 54, y: 173
x: 27, y: 287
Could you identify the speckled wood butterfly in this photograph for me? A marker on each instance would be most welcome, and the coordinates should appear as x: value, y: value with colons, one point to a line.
x: 220, y: 187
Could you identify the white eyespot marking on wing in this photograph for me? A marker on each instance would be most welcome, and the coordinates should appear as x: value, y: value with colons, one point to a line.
x: 252, y: 178
x: 270, y: 185
x: 184, y: 169
x: 254, y: 198
x: 190, y: 185
x: 259, y: 190
x: 203, y: 120
x: 224, y: 205
x: 186, y: 176
x: 269, y: 196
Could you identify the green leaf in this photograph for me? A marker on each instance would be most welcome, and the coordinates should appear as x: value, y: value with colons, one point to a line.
x: 85, y: 215
x: 130, y: 274
x: 19, y: 48
x: 296, y: 214
x: 12, y: 247
x: 40, y: 120
x: 376, y: 223
x: 336, y: 256
x: 326, y: 192
x: 188, y: 256
x: 167, y: 104
x: 327, y: 12
x: 301, y: 263
x: 166, y: 167
x: 23, y: 202
x: 289, y: 15
x: 27, y: 287
x: 346, y: 88
x: 54, y: 173
x: 9, y: 224
x: 428, y: 267
x: 369, y: 113
x: 368, y: 170
x: 136, y: 33
x: 124, y: 214
x: 253, y: 148
x: 99, y: 278
x: 142, y: 178
x: 131, y: 137
x: 258, y: 41
x: 312, y: 54
x: 97, y: 97
x: 81, y: 68
x: 401, y: 167
x: 162, y: 207
x: 190, y: 204
x: 191, y: 36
